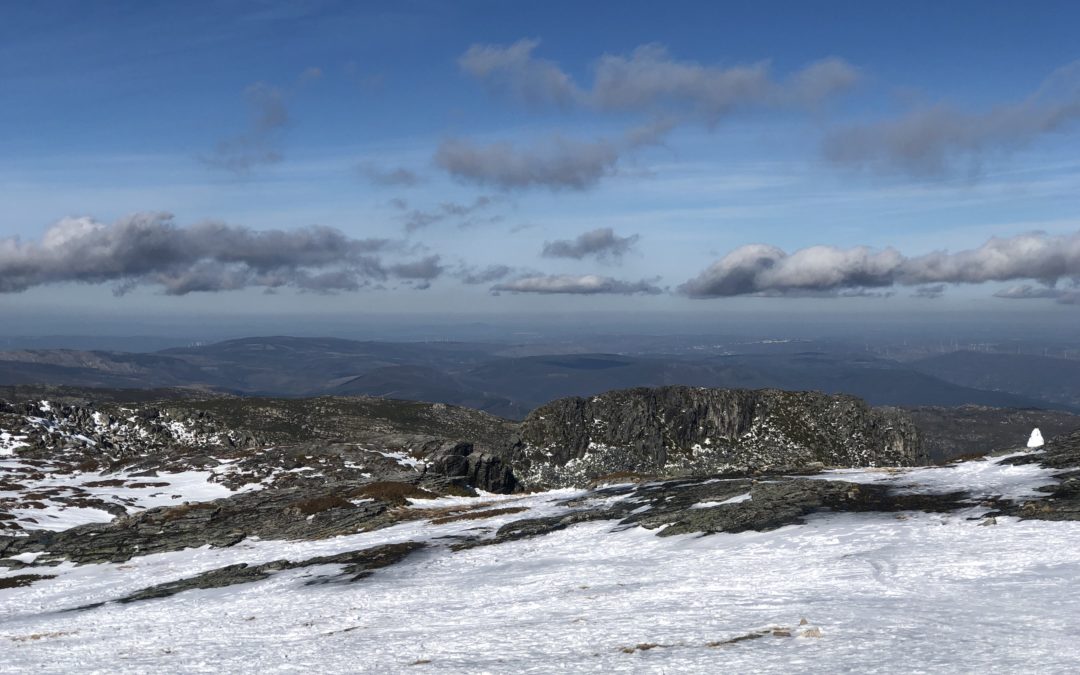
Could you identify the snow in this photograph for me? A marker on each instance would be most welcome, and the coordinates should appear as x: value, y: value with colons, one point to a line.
x: 42, y: 480
x: 1036, y: 439
x: 56, y: 517
x: 889, y: 593
x: 985, y: 478
x: 10, y: 442
x: 402, y: 458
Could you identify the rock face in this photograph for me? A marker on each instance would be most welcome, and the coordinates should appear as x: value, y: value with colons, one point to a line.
x: 669, y: 431
x: 685, y: 430
x: 461, y: 461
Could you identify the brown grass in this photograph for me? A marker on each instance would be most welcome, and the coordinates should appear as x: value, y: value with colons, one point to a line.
x: 87, y: 465
x: 112, y: 482
x: 392, y: 492
x: 310, y: 507
x: 177, y: 512
x: 477, y: 515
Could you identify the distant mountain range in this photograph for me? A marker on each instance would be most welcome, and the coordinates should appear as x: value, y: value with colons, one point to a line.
x: 494, y: 378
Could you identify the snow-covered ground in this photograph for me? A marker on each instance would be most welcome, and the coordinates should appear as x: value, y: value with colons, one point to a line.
x: 883, y: 593
x: 44, y: 502
x: 983, y: 478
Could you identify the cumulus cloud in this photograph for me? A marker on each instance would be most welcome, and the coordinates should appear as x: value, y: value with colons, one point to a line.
x: 648, y: 82
x: 559, y: 164
x: 761, y: 269
x: 260, y: 144
x: 650, y: 79
x: 601, y: 243
x: 150, y: 249
x: 515, y: 71
x: 586, y: 284
x: 417, y: 219
x: 388, y: 177
x: 937, y: 139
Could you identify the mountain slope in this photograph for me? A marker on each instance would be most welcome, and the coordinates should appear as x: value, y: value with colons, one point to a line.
x: 476, y: 375
x: 860, y: 570
x: 1043, y: 377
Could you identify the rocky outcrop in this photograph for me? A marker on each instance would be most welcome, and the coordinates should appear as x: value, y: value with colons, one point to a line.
x: 462, y: 463
x: 688, y: 430
x: 1062, y: 501
x: 668, y: 431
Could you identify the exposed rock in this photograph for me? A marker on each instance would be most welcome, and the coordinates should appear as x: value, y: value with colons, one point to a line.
x: 685, y: 430
x: 460, y: 459
x: 356, y: 565
x: 1063, y: 499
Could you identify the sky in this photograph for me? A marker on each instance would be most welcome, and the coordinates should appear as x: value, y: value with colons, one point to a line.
x: 345, y: 159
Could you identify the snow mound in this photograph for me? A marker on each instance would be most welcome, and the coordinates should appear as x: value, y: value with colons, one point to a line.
x: 1036, y: 440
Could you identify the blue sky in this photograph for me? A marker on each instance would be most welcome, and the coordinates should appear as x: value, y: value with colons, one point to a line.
x: 467, y: 137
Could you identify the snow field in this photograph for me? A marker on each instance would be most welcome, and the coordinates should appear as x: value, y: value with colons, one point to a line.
x: 889, y: 593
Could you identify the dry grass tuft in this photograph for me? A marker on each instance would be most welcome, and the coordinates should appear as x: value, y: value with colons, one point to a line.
x: 310, y: 507
x: 392, y: 492
x: 478, y: 515
x: 177, y: 512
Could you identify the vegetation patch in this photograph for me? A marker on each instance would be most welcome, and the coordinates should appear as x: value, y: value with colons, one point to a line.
x: 310, y: 507
x: 87, y: 465
x: 112, y: 482
x: 393, y: 492
x: 478, y: 515
x: 177, y: 512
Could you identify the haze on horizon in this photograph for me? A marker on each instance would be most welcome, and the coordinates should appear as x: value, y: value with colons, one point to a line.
x: 264, y: 163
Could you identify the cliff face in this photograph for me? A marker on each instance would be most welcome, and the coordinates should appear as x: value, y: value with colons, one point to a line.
x: 678, y: 430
